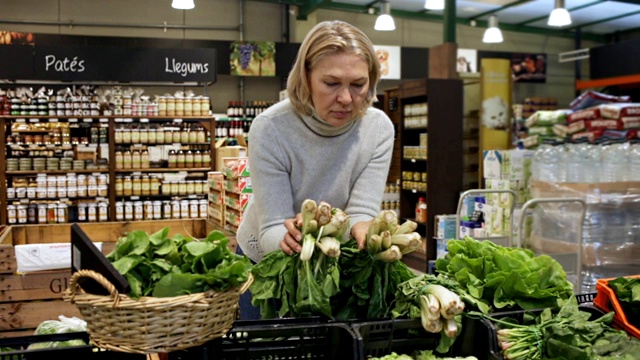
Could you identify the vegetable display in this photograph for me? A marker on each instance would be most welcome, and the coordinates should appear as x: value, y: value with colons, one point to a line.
x: 505, y: 278
x: 627, y: 291
x: 62, y: 326
x: 569, y: 335
x: 339, y: 281
x: 160, y: 266
x: 421, y: 355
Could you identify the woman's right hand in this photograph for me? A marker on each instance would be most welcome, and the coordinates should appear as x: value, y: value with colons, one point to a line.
x: 293, y: 237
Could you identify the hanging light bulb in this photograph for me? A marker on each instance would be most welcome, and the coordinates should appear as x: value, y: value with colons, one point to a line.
x: 183, y: 4
x: 385, y: 21
x: 434, y: 4
x: 493, y: 33
x: 559, y: 15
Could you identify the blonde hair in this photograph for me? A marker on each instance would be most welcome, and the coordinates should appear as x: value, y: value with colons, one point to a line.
x: 330, y: 38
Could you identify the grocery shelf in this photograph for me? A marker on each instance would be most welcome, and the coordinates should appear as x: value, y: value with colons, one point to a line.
x: 36, y: 172
x: 164, y: 118
x: 157, y: 144
x: 150, y: 170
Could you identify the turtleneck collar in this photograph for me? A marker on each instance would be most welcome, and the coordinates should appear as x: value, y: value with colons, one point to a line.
x: 323, y: 128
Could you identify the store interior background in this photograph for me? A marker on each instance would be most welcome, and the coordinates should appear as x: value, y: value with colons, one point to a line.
x: 233, y: 20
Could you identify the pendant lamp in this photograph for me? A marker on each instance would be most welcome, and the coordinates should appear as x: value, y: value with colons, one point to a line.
x: 385, y: 21
x: 183, y: 4
x: 493, y: 33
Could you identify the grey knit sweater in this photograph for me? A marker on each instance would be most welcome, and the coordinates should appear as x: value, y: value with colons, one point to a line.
x: 293, y: 158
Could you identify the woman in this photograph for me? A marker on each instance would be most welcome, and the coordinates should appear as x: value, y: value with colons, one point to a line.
x: 324, y: 143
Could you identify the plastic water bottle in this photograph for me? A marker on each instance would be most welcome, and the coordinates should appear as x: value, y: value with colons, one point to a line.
x: 574, y: 161
x: 634, y: 161
x: 539, y: 161
x: 614, y: 161
x: 556, y: 165
x: 591, y: 163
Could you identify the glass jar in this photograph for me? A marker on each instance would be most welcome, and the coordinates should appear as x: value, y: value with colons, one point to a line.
x: 126, y: 136
x: 175, y: 209
x: 82, y: 180
x: 138, y: 210
x: 136, y: 186
x: 184, y: 135
x: 194, y: 209
x: 152, y: 136
x: 171, y: 106
x: 52, y: 213
x: 165, y: 188
x: 188, y: 159
x: 135, y: 160
x: 32, y: 213
x: 42, y: 213
x: 119, y: 211
x: 201, y: 136
x: 154, y: 185
x: 128, y: 210
x: 102, y: 179
x: 175, y: 188
x: 162, y: 106
x: 21, y: 214
x: 62, y: 192
x: 144, y: 136
x: 103, y: 212
x: 197, y: 159
x: 173, y: 159
x: 182, y: 187
x: 135, y: 135
x: 127, y: 186
x: 103, y: 190
x: 181, y: 159
x: 203, y: 208
x: 157, y: 210
x: 166, y: 209
x: 148, y: 210
x: 82, y: 191
x: 126, y: 160
x: 119, y: 186
x: 193, y: 136
x: 72, y: 192
x: 188, y: 106
x: 206, y: 159
x: 144, y: 159
x: 82, y: 212
x: 160, y: 135
x: 62, y: 213
x: 145, y: 185
x: 184, y: 209
x: 191, y: 188
x: 199, y: 186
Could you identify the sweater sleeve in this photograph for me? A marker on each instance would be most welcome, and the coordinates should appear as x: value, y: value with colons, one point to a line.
x: 367, y: 192
x: 272, y: 195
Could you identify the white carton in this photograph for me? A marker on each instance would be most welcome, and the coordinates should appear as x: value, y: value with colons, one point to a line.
x: 39, y: 257
x: 492, y: 164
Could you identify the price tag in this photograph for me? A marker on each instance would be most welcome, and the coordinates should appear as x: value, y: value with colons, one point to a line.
x: 34, y: 120
x: 136, y: 173
x: 101, y: 199
x: 137, y: 145
x: 53, y: 120
x: 134, y: 198
x: 413, y: 160
x: 128, y: 120
x: 96, y: 174
x: 118, y: 120
x: 104, y: 120
x: 177, y: 120
x: 87, y: 120
x: 42, y: 174
x: 24, y: 201
x: 71, y: 174
x: 21, y: 120
x: 192, y: 196
x: 144, y: 120
x: 176, y: 144
x: 73, y: 120
x: 414, y: 191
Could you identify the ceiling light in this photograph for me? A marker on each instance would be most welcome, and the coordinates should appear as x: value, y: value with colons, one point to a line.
x: 559, y: 16
x: 385, y: 21
x: 183, y: 4
x: 434, y: 4
x: 493, y: 33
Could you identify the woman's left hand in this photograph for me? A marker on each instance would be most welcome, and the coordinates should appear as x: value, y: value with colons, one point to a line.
x: 359, y: 232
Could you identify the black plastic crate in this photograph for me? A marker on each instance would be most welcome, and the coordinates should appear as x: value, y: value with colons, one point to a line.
x: 278, y: 339
x: 486, y: 338
x: 89, y: 352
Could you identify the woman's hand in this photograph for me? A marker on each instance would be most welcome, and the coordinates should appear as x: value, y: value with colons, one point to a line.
x: 359, y: 232
x: 291, y: 241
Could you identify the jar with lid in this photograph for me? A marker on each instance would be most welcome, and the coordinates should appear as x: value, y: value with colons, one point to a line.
x: 103, y: 212
x: 126, y: 160
x: 157, y: 209
x: 135, y: 159
x: 119, y: 186
x: 173, y: 159
x: 154, y: 185
x: 162, y: 106
x: 11, y: 192
x: 42, y: 213
x: 32, y: 213
x: 171, y: 106
x: 421, y: 210
x: 136, y: 186
x: 166, y: 209
x: 21, y: 211
x: 82, y: 180
x: 201, y: 136
x: 128, y: 210
x: 126, y: 135
x: 41, y: 180
x: 184, y: 135
x: 148, y: 210
x: 72, y: 180
x: 188, y: 159
x: 168, y: 136
x: 175, y: 209
x: 206, y: 159
x: 191, y: 188
x: 52, y: 192
x: 117, y: 135
x: 188, y: 106
x: 144, y: 159
x: 119, y: 211
x: 175, y: 188
x: 194, y: 209
x: 182, y: 187
x: 193, y: 136
x: 62, y: 192
x: 144, y: 135
x: 102, y: 179
x: 12, y: 214
x: 203, y: 208
x: 92, y: 212
x: 160, y: 135
x: 52, y: 213
x: 145, y: 185
x: 181, y: 159
x: 62, y: 213
x: 205, y: 105
x: 103, y: 190
x: 165, y: 188
x: 184, y: 209
x: 138, y: 210
x: 135, y: 135
x: 195, y: 107
x: 199, y: 186
x: 82, y: 212
x: 127, y: 186
x: 197, y: 159
x: 152, y: 136
x: 31, y: 192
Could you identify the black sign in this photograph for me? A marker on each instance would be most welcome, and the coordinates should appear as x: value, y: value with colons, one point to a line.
x: 16, y: 62
x: 107, y: 63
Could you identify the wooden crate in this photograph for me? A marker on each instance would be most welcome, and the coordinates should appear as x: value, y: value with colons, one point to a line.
x: 28, y: 299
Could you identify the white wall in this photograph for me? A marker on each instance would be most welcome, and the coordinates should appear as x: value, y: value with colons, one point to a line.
x: 262, y: 21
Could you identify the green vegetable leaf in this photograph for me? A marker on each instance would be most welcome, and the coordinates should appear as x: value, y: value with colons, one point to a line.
x: 174, y: 284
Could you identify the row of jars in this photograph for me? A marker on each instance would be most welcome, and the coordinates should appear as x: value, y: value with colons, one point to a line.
x: 61, y: 186
x: 155, y: 210
x: 145, y: 185
x: 139, y: 159
x: 180, y: 106
x: 153, y: 134
x: 58, y: 213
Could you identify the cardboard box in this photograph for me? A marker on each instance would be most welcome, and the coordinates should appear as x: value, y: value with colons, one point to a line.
x: 233, y: 217
x: 237, y: 201
x: 228, y: 151
x: 241, y: 185
x: 216, y: 197
x: 235, y: 167
x: 215, y: 179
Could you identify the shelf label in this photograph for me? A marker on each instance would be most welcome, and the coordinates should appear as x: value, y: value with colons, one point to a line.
x: 71, y: 174
x: 144, y: 120
x: 100, y: 198
x: 414, y: 191
x: 137, y: 145
x: 96, y: 174
x: 53, y: 120
x: 87, y: 120
x: 119, y: 120
x: 73, y: 120
x: 34, y: 120
x: 128, y: 120
x: 104, y: 120
x: 413, y: 160
x: 177, y: 120
x: 21, y: 120
x: 136, y: 173
x: 134, y: 198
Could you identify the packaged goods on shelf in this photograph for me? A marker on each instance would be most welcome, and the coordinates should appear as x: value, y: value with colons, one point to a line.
x: 507, y: 164
x: 215, y: 179
x: 232, y: 216
x: 235, y: 167
x: 237, y: 201
x: 222, y: 152
x: 241, y: 185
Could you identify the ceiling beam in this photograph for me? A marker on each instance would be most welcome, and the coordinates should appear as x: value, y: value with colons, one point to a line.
x: 311, y: 6
x: 569, y: 10
x: 512, y: 4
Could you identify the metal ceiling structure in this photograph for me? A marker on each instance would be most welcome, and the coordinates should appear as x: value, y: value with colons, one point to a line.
x: 597, y: 20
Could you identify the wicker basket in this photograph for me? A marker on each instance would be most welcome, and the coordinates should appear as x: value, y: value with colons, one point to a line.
x: 152, y: 324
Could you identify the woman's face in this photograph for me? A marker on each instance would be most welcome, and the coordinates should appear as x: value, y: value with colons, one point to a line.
x: 339, y: 83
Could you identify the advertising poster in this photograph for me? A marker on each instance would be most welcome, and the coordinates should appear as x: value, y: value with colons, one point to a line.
x: 467, y: 61
x: 389, y: 58
x: 253, y: 58
x: 529, y: 67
